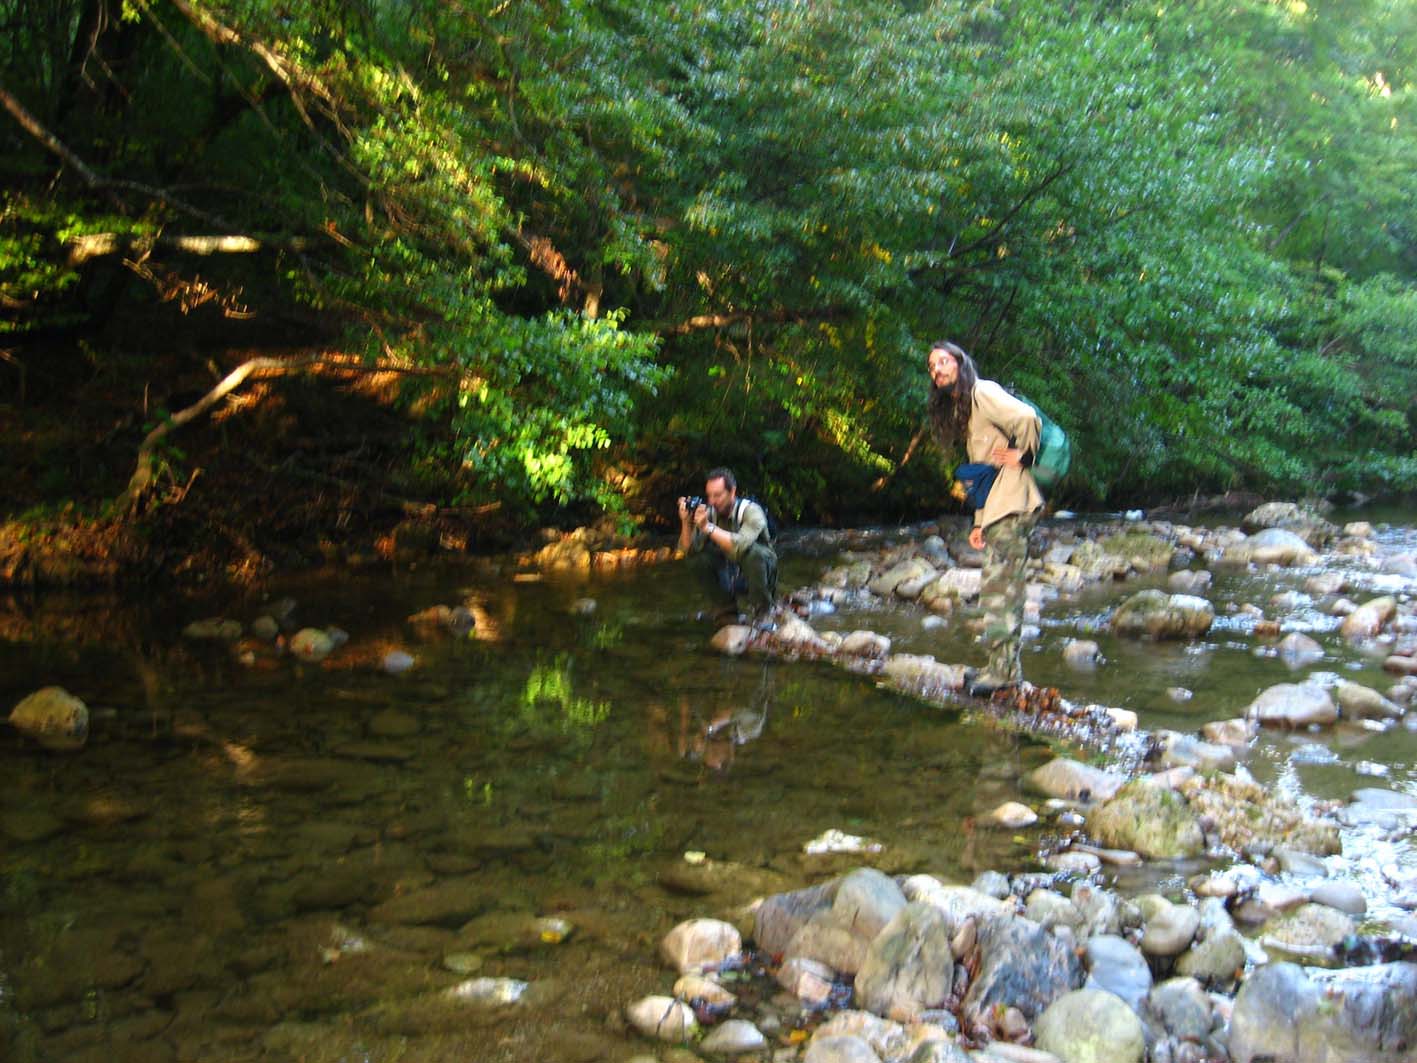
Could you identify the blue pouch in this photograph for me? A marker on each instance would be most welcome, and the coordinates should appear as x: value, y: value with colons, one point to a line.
x: 977, y: 479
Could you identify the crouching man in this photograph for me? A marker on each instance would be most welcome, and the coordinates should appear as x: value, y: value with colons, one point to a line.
x: 740, y: 559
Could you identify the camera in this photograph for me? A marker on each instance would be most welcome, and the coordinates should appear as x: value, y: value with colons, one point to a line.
x: 692, y: 504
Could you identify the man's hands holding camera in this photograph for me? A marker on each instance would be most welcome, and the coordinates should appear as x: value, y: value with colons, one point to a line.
x: 693, y: 508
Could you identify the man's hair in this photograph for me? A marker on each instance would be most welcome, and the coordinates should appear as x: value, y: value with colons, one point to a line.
x: 950, y: 407
x: 726, y: 475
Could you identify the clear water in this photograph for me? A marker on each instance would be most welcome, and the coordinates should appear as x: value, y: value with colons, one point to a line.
x: 220, y: 873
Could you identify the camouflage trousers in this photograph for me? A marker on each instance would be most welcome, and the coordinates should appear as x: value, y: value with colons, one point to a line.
x: 1002, y: 593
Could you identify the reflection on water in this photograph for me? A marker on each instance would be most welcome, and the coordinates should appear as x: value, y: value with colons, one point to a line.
x: 256, y: 858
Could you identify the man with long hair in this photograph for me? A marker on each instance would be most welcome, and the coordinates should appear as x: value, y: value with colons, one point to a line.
x: 1000, y: 430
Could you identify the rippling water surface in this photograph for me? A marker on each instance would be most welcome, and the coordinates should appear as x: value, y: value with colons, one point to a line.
x: 263, y: 859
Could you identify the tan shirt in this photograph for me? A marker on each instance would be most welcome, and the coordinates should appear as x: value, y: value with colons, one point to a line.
x: 746, y: 524
x: 1000, y: 420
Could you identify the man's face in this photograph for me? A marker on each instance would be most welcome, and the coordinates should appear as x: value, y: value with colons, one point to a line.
x: 719, y: 496
x: 944, y: 370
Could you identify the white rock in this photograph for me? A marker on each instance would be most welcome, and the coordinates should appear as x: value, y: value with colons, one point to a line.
x: 489, y: 992
x: 734, y: 1036
x: 808, y: 980
x: 700, y: 944
x: 1011, y: 814
x: 663, y: 1017
x: 215, y: 627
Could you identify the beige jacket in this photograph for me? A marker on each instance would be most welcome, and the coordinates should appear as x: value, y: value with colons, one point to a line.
x: 1000, y: 420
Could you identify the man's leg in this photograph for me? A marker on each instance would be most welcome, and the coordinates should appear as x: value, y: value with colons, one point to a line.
x: 1002, y: 594
x: 722, y: 579
x: 760, y: 568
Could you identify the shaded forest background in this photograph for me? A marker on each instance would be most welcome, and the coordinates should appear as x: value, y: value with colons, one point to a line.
x: 510, y: 263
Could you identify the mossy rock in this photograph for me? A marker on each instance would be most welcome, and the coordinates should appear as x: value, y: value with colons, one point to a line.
x: 1149, y: 820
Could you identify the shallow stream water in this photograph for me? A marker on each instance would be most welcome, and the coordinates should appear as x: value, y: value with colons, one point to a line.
x: 263, y: 859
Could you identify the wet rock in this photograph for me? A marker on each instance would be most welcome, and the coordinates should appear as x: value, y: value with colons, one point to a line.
x: 1298, y: 650
x: 1307, y: 931
x: 958, y: 903
x: 1181, y: 750
x: 1011, y: 815
x: 732, y: 640
x: 214, y: 628
x: 1361, y: 1015
x: 1158, y: 615
x: 1115, y: 965
x: 958, y: 583
x: 700, y: 944
x: 908, y: 966
x: 1292, y: 516
x: 1082, y: 653
x: 1400, y: 665
x: 989, y: 883
x: 922, y: 676
x: 1236, y: 732
x: 1358, y: 702
x: 810, y: 981
x: 839, y: 1049
x: 1344, y: 896
x: 779, y: 918
x: 692, y: 987
x: 1369, y: 618
x: 1247, y: 816
x: 1155, y: 822
x: 865, y: 644
x: 1124, y: 719
x: 1181, y: 1008
x: 1188, y: 581
x: 888, y: 581
x: 1091, y: 1026
x: 1272, y: 547
x: 1359, y: 529
x: 663, y: 1018
x: 1292, y: 705
x: 1217, y: 960
x: 1170, y: 928
x: 733, y: 1037
x: 1049, y: 909
x: 583, y: 607
x: 54, y: 718
x: 1022, y: 966
x: 1074, y: 781
x: 1326, y: 583
x: 311, y: 644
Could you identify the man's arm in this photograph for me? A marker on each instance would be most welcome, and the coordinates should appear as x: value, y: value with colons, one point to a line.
x: 751, y: 525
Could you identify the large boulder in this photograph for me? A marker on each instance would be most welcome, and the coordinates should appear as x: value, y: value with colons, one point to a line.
x: 1021, y: 966
x: 1177, y: 750
x: 54, y: 718
x: 862, y: 904
x: 1159, y: 615
x: 662, y: 1018
x: 1359, y: 1015
x: 909, y: 966
x: 1091, y: 1026
x: 955, y: 583
x: 778, y: 918
x: 1298, y: 650
x: 1150, y: 820
x: 1292, y: 705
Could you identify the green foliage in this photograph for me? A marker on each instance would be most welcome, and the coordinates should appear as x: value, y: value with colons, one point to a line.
x: 599, y: 232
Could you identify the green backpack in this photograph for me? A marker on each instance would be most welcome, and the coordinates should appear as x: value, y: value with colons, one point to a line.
x: 1055, y: 450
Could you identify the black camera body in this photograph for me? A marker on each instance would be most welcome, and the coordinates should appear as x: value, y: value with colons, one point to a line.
x: 692, y: 504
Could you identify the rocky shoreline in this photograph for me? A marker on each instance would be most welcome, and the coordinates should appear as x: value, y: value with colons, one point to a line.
x: 1247, y: 953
